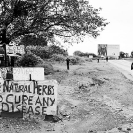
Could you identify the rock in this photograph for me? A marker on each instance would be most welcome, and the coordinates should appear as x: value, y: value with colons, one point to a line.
x: 52, y: 118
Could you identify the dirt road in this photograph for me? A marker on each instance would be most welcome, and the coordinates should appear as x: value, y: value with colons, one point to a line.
x: 124, y: 67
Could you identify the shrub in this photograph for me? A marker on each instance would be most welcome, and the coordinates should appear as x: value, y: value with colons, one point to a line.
x: 74, y: 60
x: 88, y: 59
x: 81, y: 54
x: 48, y: 68
x: 43, y: 52
x: 58, y: 57
x: 112, y: 58
x: 46, y: 52
x: 28, y: 60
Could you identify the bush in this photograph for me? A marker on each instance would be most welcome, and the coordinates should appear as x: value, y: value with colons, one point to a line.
x: 112, y: 58
x: 46, y: 52
x: 28, y: 60
x: 74, y: 60
x: 48, y: 68
x: 58, y: 57
x: 81, y: 54
x: 88, y: 59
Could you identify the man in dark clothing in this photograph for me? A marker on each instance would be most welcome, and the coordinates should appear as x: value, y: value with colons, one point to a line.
x: 107, y: 58
x: 67, y: 60
x: 98, y: 60
x: 132, y: 66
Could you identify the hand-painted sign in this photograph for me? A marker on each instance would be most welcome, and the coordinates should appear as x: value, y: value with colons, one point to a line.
x: 15, y: 49
x: 29, y: 97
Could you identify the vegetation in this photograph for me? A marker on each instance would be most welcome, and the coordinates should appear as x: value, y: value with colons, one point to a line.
x: 29, y: 40
x: 69, y: 19
x: 74, y: 60
x: 42, y: 52
x: 58, y: 58
x: 29, y: 60
x: 46, y: 52
x: 48, y: 68
x: 122, y: 54
x: 81, y: 54
x: 132, y: 54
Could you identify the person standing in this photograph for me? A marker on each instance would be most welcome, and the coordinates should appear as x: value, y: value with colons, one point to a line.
x: 67, y: 60
x: 132, y: 66
x: 107, y: 58
x: 97, y: 60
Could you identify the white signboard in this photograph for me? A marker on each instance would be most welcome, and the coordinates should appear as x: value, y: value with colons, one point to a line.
x: 108, y: 50
x: 113, y: 50
x: 30, y: 97
x: 15, y: 49
x: 37, y: 73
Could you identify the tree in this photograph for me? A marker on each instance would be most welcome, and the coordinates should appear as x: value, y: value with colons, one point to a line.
x: 57, y: 50
x: 70, y: 19
x: 78, y: 53
x: 126, y: 55
x: 122, y: 54
x: 28, y: 40
x: 132, y: 54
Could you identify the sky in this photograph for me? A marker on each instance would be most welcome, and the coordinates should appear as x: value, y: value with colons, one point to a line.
x: 120, y: 30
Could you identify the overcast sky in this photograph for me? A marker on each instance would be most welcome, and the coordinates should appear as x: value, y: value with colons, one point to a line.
x: 120, y: 30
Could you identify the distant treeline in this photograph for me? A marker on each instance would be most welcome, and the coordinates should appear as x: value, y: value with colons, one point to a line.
x: 81, y: 54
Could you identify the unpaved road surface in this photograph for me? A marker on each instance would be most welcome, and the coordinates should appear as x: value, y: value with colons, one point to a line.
x: 123, y: 64
x: 124, y: 67
x: 92, y: 97
x: 102, y: 103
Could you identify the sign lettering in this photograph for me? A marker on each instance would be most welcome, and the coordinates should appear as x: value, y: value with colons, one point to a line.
x: 30, y: 97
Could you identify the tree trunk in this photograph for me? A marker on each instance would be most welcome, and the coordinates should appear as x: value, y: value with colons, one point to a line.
x: 4, y: 42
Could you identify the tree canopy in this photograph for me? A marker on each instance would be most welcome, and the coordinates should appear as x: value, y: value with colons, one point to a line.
x: 28, y: 40
x: 122, y: 54
x: 82, y: 54
x: 131, y: 54
x: 69, y: 19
